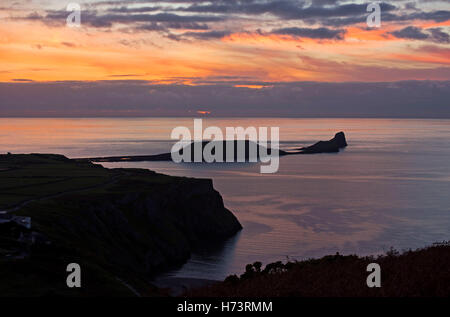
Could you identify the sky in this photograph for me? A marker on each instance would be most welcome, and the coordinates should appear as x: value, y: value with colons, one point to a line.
x: 225, y: 57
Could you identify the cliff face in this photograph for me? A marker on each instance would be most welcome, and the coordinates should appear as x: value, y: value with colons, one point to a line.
x: 128, y: 223
x: 146, y: 230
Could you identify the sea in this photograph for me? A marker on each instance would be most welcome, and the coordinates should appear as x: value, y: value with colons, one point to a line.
x: 390, y: 188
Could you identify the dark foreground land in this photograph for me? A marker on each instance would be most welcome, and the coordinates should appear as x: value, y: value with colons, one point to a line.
x: 120, y: 225
x: 123, y: 226
x: 420, y: 273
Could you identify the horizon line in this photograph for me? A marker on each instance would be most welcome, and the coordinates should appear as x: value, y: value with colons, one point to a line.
x: 221, y: 117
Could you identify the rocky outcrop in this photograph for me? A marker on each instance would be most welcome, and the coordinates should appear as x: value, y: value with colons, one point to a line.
x: 331, y: 146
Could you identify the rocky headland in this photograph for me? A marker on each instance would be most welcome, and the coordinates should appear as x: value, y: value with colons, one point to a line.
x: 121, y: 225
x: 332, y: 146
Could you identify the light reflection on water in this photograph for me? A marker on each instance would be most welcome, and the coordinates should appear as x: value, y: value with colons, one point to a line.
x: 388, y: 188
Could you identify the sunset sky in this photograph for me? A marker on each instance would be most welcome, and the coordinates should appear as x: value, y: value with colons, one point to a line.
x: 246, y: 44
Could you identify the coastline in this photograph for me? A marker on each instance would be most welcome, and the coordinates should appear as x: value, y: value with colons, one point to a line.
x: 96, y: 216
x: 127, y: 224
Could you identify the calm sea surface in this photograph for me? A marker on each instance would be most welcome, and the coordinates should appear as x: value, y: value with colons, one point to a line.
x: 389, y: 187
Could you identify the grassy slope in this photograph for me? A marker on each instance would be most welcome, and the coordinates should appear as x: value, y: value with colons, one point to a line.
x: 25, y: 177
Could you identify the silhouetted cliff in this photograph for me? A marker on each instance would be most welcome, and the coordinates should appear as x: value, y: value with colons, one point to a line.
x: 331, y: 146
x: 121, y: 225
x: 248, y: 151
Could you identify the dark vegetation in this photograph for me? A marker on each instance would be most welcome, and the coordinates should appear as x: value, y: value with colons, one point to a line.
x: 421, y: 273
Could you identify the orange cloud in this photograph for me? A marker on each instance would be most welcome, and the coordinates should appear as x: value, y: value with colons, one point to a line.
x: 36, y: 52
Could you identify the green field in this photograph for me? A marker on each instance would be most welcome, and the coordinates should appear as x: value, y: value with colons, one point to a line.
x: 29, y: 177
